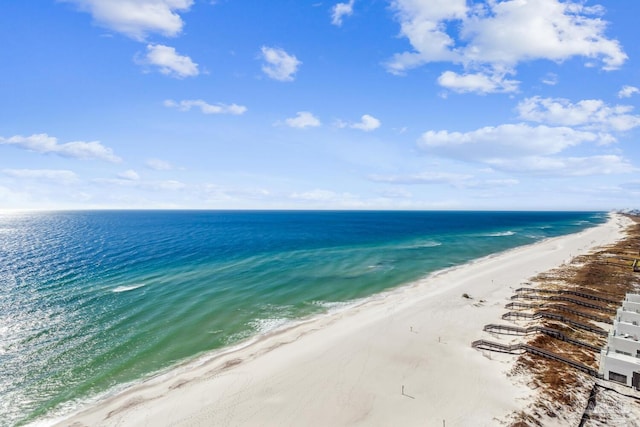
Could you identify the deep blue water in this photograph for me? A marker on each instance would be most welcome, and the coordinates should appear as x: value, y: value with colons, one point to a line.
x: 90, y: 301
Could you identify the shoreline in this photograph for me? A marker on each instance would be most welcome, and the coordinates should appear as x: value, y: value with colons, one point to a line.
x: 387, y: 359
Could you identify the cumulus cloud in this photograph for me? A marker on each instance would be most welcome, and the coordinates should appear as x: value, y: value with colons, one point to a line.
x: 340, y: 10
x: 137, y: 18
x: 158, y: 164
x: 628, y: 91
x: 422, y: 23
x: 521, y: 148
x: 562, y: 30
x: 205, y: 107
x: 43, y: 143
x: 130, y: 175
x: 476, y: 82
x: 55, y: 176
x: 587, y: 114
x: 303, y: 119
x: 367, y: 123
x: 170, y: 62
x: 504, y: 141
x: 492, y: 38
x: 279, y: 65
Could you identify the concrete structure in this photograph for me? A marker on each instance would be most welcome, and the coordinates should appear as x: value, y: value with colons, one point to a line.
x: 620, y: 359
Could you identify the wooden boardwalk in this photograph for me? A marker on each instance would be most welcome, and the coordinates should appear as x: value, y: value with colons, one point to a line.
x: 568, y: 292
x: 548, y: 315
x: 559, y: 307
x: 526, y: 348
x: 529, y: 296
x: 516, y: 330
x: 560, y: 296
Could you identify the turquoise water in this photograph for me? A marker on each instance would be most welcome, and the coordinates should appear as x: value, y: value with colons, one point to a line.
x: 90, y: 301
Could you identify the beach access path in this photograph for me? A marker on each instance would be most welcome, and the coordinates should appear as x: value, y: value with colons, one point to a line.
x: 400, y: 358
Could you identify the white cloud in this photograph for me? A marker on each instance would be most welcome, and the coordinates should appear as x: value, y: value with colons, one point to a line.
x: 168, y: 185
x: 396, y: 193
x: 492, y: 38
x: 476, y: 82
x: 327, y: 198
x: 550, y: 79
x: 456, y: 180
x: 12, y: 198
x: 587, y: 114
x: 340, y: 10
x: 217, y: 193
x: 279, y: 65
x: 130, y: 182
x: 303, y: 119
x: 521, y: 148
x: 170, y: 62
x: 137, y: 18
x: 562, y: 30
x: 422, y: 24
x: 367, y: 123
x: 568, y: 166
x: 55, y: 176
x: 158, y: 164
x: 627, y: 91
x: 43, y: 143
x: 315, y: 195
x: 504, y: 141
x: 424, y: 178
x: 130, y: 175
x: 205, y: 107
x: 507, y: 182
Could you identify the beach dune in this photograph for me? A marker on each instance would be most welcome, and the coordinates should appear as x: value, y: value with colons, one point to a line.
x: 403, y: 357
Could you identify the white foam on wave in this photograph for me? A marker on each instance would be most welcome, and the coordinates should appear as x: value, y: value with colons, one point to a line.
x: 534, y: 236
x: 128, y: 288
x: 501, y: 234
x: 263, y: 326
x: 332, y: 306
x: 428, y: 244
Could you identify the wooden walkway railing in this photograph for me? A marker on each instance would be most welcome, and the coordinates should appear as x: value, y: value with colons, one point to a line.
x: 494, y: 328
x: 554, y: 316
x: 522, y: 348
x: 563, y: 298
x: 568, y: 292
x: 559, y: 307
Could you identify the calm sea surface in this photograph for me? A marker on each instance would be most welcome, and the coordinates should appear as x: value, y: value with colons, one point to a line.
x: 92, y: 301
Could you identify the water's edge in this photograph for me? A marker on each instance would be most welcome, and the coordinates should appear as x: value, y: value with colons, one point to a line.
x: 336, y: 311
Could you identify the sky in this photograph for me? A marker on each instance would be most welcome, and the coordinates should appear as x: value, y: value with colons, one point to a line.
x: 294, y: 104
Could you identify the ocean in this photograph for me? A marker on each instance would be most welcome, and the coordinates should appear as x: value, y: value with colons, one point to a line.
x: 93, y: 301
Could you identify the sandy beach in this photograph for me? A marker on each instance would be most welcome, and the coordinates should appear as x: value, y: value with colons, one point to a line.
x: 401, y: 358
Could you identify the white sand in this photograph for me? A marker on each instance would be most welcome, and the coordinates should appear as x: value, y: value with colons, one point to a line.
x: 350, y: 368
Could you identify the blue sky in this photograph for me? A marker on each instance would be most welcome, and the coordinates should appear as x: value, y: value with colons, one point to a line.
x: 293, y: 104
